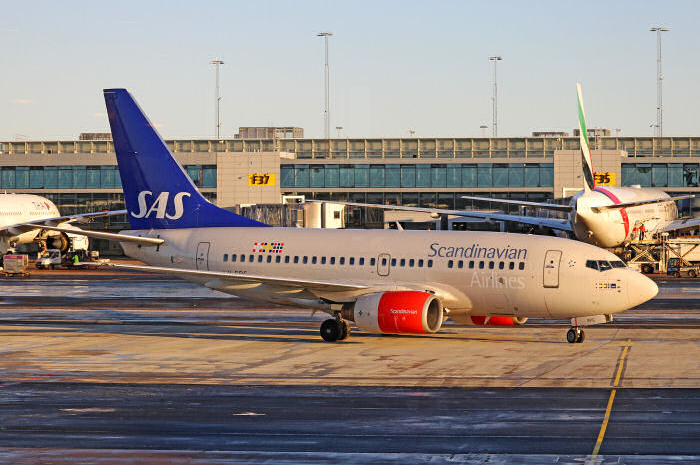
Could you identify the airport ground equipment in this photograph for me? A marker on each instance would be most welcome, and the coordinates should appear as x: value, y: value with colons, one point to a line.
x: 651, y: 256
x: 676, y: 268
x: 14, y: 265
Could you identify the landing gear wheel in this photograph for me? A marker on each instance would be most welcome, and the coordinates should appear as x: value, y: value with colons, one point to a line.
x: 575, y: 334
x: 344, y: 330
x: 330, y: 330
x: 692, y: 274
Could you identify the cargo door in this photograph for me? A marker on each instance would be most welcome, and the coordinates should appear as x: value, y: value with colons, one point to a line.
x: 551, y: 268
x: 202, y: 258
x: 383, y: 264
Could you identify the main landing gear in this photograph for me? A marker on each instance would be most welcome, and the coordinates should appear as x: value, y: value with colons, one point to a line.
x: 575, y: 334
x: 335, y: 329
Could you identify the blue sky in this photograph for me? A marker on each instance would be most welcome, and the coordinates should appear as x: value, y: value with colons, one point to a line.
x: 395, y: 65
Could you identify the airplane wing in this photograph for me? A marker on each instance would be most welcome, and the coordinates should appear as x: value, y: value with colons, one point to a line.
x: 523, y: 203
x: 682, y: 224
x: 313, y: 285
x: 553, y: 223
x: 640, y: 202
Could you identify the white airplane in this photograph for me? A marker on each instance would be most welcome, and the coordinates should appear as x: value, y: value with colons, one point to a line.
x: 384, y: 281
x: 607, y: 217
x: 24, y: 219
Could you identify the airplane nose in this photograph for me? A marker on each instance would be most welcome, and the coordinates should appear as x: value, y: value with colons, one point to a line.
x: 640, y: 288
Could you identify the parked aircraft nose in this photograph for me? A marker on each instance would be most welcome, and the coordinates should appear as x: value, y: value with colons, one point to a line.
x: 640, y: 288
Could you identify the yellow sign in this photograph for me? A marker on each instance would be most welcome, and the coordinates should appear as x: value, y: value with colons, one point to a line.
x: 261, y: 179
x: 605, y: 179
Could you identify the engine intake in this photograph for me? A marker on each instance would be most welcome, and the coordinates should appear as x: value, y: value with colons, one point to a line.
x: 397, y: 312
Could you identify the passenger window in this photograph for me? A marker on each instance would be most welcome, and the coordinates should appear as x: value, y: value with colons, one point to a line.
x: 592, y: 264
x: 260, y: 258
x: 450, y: 263
x: 372, y: 261
x: 225, y: 257
x: 242, y: 258
x: 411, y: 262
x: 471, y: 264
x: 332, y: 260
x: 305, y: 260
x: 352, y: 260
x: 383, y: 261
x: 403, y: 262
x: 511, y: 266
x: 393, y: 262
x: 420, y: 263
x: 286, y: 259
x: 491, y: 264
x: 296, y: 259
x: 269, y: 259
x: 278, y: 259
x: 603, y: 265
x: 521, y: 266
x: 323, y: 260
x: 460, y: 264
x: 362, y: 261
x: 233, y: 257
x: 430, y: 263
x: 313, y: 260
x: 251, y: 258
x: 342, y: 260
x: 501, y: 265
x: 481, y: 265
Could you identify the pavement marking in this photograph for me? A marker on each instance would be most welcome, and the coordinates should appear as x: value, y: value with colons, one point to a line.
x: 33, y: 378
x: 608, y: 410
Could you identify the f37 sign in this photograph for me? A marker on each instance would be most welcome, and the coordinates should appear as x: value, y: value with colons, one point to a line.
x: 267, y: 179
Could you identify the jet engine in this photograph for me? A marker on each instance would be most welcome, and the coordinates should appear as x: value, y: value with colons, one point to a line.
x: 60, y: 241
x: 396, y: 312
x: 496, y: 320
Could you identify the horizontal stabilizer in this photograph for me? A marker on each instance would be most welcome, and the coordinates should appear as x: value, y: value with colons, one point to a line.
x: 103, y: 235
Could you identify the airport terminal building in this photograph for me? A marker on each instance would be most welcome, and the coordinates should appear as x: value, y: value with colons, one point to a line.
x: 81, y: 175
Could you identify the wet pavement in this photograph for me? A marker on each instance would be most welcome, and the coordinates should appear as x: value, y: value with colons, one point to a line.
x: 123, y: 366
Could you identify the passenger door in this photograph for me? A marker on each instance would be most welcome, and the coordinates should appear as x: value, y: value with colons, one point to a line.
x: 551, y: 268
x: 202, y: 258
x: 383, y: 264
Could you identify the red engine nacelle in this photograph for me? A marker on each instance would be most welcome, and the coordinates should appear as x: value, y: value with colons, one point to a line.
x: 398, y: 312
x: 497, y: 320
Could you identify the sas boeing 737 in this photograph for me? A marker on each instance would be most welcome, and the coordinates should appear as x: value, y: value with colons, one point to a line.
x: 382, y: 280
x: 606, y: 217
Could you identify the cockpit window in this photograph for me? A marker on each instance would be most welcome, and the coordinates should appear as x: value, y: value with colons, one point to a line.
x: 604, y: 265
x: 618, y: 264
x: 592, y: 264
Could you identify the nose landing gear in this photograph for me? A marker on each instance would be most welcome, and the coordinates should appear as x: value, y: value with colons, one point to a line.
x: 575, y: 335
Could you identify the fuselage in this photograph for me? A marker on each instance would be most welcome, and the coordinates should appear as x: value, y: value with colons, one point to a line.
x: 474, y: 273
x: 612, y: 228
x: 22, y: 208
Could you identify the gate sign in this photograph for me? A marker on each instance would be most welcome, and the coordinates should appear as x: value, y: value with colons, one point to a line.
x: 605, y: 179
x: 267, y: 179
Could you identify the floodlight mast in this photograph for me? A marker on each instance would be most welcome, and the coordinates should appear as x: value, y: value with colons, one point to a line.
x: 659, y: 82
x: 494, y: 99
x: 216, y: 62
x: 326, y: 82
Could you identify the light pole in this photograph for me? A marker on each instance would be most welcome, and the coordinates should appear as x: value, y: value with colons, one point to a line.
x: 659, y: 80
x: 326, y: 81
x: 216, y: 62
x: 494, y: 123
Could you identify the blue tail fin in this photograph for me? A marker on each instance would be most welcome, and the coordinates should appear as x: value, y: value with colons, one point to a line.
x: 157, y: 191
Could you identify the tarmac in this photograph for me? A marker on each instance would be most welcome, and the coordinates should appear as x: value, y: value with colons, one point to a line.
x: 103, y: 365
